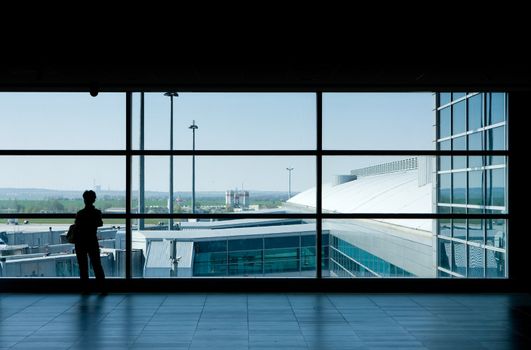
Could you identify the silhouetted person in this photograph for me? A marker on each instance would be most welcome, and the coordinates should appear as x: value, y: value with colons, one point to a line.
x: 88, y: 220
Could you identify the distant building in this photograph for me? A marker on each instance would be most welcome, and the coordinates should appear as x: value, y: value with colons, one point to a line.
x: 237, y: 199
x: 34, y: 251
x: 286, y: 248
x: 242, y: 247
x: 378, y: 247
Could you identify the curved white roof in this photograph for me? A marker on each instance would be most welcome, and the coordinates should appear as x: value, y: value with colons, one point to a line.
x: 396, y: 192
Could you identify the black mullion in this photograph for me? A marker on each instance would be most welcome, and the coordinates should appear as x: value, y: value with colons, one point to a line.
x: 128, y: 173
x: 436, y: 153
x: 467, y: 246
x: 507, y: 188
x: 264, y: 153
x: 247, y: 152
x: 61, y: 152
x: 319, y: 176
x: 264, y: 216
x: 412, y: 216
x: 484, y: 176
x: 337, y: 152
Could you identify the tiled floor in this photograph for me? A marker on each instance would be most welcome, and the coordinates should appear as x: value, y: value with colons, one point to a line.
x: 265, y: 321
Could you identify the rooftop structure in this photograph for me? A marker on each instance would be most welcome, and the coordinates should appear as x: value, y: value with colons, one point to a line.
x: 401, y: 186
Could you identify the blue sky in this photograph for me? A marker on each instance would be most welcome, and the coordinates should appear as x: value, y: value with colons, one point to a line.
x: 225, y: 120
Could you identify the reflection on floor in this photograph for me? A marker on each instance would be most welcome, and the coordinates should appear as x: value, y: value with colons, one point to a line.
x: 265, y: 321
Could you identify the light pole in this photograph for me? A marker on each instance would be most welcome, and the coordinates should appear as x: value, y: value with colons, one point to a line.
x: 170, y: 204
x: 289, y: 182
x: 194, y: 127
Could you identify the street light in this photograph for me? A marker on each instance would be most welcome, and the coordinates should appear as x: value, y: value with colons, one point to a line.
x: 170, y: 204
x: 289, y: 182
x: 194, y: 127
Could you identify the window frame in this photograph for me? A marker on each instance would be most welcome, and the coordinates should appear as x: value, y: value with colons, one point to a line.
x: 318, y: 153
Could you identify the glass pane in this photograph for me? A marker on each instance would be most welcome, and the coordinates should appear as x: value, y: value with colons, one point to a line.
x: 496, y: 232
x: 378, y: 120
x: 209, y: 247
x: 476, y: 230
x: 226, y: 121
x: 308, y: 241
x: 475, y: 112
x: 445, y: 163
x: 458, y: 117
x: 308, y: 258
x: 496, y: 187
x: 497, y: 111
x: 221, y: 248
x: 445, y: 127
x: 445, y: 188
x: 59, y: 263
x: 56, y: 184
x: 495, y: 160
x: 459, y: 224
x: 365, y: 184
x: 444, y: 98
x: 62, y: 121
x: 475, y: 187
x: 459, y: 144
x: 459, y: 162
x: 379, y: 248
x: 495, y: 264
x: 475, y: 141
x: 458, y: 95
x: 282, y: 242
x: 476, y: 262
x: 443, y: 274
x: 496, y: 139
x: 445, y: 145
x: 38, y: 248
x: 459, y: 258
x: 459, y: 188
x: 475, y: 161
x: 445, y: 225
x: 246, y: 244
x: 246, y: 263
x: 224, y: 184
x: 445, y: 253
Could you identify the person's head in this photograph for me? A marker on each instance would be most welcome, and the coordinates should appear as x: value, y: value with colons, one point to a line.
x: 89, y: 197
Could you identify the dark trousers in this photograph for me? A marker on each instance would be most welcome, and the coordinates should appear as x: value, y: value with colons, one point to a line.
x: 91, y: 249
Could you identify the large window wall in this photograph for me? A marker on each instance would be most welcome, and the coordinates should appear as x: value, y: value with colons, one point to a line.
x: 472, y: 182
x: 54, y: 146
x: 384, y: 185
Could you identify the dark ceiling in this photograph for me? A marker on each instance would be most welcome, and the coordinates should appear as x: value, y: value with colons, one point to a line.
x: 403, y: 58
x: 289, y: 76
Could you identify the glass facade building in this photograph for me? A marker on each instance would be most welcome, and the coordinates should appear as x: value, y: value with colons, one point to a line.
x: 288, y: 255
x: 347, y: 260
x: 473, y: 181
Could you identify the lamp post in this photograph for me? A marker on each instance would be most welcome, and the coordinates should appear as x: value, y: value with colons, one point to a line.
x: 289, y: 182
x: 170, y: 204
x: 194, y: 127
